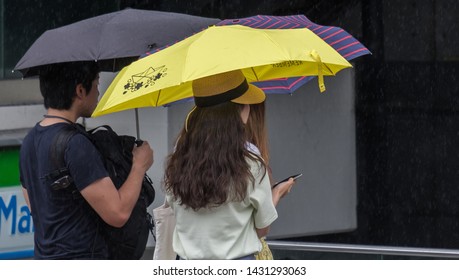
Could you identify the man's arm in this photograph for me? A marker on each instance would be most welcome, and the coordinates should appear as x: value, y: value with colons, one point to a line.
x: 26, y: 197
x: 113, y: 205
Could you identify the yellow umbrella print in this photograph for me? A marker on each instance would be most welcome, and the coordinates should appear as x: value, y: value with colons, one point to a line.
x: 262, y: 54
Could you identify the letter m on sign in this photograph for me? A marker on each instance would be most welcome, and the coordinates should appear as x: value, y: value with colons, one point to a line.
x: 6, y: 211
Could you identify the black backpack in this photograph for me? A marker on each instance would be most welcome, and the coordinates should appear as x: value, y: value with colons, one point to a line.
x: 129, y: 241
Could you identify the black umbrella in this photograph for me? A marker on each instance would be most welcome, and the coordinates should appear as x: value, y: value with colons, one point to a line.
x: 113, y: 39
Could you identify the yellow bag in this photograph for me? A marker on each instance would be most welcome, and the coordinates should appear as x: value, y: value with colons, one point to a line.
x: 265, y: 253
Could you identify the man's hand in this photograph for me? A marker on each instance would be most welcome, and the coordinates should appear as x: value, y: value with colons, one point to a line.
x: 142, y: 156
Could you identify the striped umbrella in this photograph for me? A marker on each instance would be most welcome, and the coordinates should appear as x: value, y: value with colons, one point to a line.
x: 344, y: 43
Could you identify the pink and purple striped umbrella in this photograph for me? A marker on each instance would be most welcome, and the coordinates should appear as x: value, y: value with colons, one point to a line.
x: 344, y: 43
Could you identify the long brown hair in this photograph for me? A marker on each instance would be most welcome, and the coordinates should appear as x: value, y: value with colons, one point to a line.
x: 257, y: 133
x: 256, y: 130
x: 209, y: 166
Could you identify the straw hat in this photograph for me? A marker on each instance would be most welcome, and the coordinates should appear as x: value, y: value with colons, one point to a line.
x: 229, y: 86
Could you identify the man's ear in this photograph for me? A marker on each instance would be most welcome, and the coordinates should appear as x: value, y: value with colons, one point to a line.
x: 80, y: 91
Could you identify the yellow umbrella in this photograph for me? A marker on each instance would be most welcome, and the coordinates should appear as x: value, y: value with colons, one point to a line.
x: 262, y: 54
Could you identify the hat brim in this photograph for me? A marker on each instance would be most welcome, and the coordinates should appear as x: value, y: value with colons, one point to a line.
x: 253, y: 95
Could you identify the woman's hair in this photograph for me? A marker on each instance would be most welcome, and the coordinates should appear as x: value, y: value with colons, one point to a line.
x: 256, y: 130
x: 58, y: 82
x: 209, y: 166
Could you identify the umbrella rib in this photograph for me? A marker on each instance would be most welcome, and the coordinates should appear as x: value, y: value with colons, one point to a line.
x: 157, y: 99
x: 255, y: 74
x: 328, y: 68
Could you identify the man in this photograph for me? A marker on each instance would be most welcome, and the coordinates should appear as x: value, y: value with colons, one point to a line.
x: 66, y: 225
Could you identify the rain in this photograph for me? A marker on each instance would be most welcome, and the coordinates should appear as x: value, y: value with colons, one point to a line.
x: 378, y: 149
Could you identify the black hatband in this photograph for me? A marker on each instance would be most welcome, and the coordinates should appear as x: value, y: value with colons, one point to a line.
x: 205, y: 101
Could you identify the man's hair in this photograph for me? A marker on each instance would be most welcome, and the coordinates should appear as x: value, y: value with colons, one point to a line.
x: 58, y: 82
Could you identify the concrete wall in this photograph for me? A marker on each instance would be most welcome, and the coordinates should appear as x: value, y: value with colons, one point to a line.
x: 314, y: 133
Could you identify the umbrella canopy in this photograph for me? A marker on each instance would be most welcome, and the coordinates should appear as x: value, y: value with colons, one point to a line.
x: 343, y: 42
x: 114, y: 39
x: 262, y: 54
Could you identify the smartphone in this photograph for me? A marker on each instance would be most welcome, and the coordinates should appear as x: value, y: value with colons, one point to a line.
x: 296, y: 176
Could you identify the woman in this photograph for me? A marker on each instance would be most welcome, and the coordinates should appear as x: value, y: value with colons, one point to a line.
x: 258, y: 139
x: 256, y: 131
x: 258, y: 143
x: 218, y: 189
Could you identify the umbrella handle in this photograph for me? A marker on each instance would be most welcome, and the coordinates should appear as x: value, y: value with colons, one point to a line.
x: 137, y: 123
x: 138, y: 143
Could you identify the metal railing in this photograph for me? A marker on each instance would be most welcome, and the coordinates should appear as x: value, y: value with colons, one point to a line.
x: 363, y: 249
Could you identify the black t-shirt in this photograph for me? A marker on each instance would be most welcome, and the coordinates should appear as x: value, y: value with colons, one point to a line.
x: 65, y: 225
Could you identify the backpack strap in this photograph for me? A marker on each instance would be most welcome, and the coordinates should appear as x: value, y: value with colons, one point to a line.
x: 61, y: 175
x: 57, y: 150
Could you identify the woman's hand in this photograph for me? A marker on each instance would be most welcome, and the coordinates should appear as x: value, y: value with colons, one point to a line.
x: 281, y: 190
